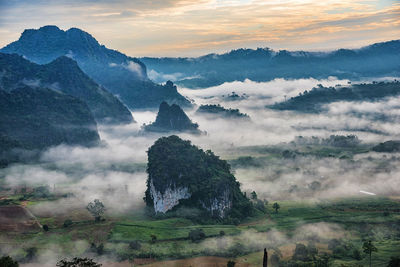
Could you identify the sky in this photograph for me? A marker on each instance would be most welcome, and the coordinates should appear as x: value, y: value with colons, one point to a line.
x: 197, y: 27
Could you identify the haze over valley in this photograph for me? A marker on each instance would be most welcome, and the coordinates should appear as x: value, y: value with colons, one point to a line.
x: 243, y: 158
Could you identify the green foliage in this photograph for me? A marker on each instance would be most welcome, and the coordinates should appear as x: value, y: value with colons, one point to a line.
x: 276, y: 207
x: 7, y: 261
x: 67, y: 223
x: 78, y: 262
x: 368, y: 247
x: 176, y: 162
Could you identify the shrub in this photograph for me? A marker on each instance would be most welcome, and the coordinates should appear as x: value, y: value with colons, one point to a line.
x: 67, y: 223
x: 7, y: 261
x: 45, y: 227
x: 197, y: 235
x: 135, y: 245
x: 231, y: 263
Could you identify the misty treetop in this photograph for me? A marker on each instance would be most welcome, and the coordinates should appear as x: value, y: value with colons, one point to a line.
x: 221, y: 111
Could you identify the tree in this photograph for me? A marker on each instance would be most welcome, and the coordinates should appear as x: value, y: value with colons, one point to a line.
x: 276, y: 207
x: 265, y: 258
x: 231, y: 263
x: 96, y: 208
x: 254, y: 195
x: 45, y: 227
x: 394, y: 262
x: 368, y: 248
x: 153, y: 238
x: 7, y: 261
x: 77, y: 262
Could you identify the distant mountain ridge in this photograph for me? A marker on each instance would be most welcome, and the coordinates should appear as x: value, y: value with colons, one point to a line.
x: 313, y: 101
x: 64, y: 75
x: 121, y: 75
x: 264, y: 64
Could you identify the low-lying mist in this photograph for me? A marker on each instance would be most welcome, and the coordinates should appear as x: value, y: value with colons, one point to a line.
x: 119, y: 164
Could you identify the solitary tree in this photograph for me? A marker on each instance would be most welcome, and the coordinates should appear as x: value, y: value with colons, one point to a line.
x: 265, y: 258
x: 96, y: 208
x: 254, y: 195
x: 368, y: 248
x: 276, y: 207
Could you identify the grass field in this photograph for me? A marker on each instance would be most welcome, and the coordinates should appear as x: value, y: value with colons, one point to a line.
x: 353, y: 220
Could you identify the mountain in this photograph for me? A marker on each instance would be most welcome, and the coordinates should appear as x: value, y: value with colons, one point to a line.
x: 171, y: 118
x: 313, y: 100
x: 63, y: 74
x: 123, y: 76
x: 181, y: 174
x: 264, y: 64
x: 36, y: 118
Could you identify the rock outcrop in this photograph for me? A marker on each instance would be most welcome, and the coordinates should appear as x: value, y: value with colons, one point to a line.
x: 180, y: 174
x: 171, y: 118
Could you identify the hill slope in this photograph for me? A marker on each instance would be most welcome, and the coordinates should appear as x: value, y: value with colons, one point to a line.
x: 121, y: 75
x: 36, y: 118
x: 63, y: 74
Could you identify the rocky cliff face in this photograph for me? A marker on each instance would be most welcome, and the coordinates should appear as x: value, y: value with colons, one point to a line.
x: 180, y: 174
x: 220, y: 205
x: 165, y: 201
